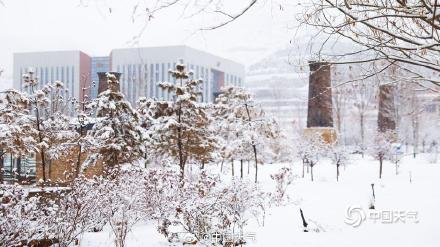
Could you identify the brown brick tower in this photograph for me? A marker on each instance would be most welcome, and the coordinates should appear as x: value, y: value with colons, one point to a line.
x: 320, y: 107
x: 319, y: 113
x: 386, y: 120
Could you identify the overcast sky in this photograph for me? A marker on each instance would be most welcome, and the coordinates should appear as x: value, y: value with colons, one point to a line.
x: 97, y: 26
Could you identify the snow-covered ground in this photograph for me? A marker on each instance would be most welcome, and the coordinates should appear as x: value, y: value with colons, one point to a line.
x: 412, y: 196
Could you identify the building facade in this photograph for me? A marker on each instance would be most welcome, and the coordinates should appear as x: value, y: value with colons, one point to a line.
x: 73, y: 68
x: 143, y: 68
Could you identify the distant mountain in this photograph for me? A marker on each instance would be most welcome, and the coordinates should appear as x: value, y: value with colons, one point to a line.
x: 279, y: 87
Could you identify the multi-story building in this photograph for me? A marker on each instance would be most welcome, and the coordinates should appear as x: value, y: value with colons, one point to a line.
x: 70, y: 67
x: 143, y: 68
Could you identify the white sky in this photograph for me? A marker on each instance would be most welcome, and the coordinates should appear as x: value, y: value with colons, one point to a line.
x: 40, y: 25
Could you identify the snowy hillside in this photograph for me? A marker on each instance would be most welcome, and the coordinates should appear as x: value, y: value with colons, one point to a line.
x: 279, y: 88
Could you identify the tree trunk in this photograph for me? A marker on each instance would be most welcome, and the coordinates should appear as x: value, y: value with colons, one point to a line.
x: 2, y: 167
x: 380, y: 166
x: 249, y: 162
x: 43, y: 165
x: 256, y: 163
x: 311, y: 171
x: 221, y: 166
x: 254, y: 147
x: 233, y: 170
x: 179, y: 142
x: 337, y: 173
x: 78, y: 158
x: 40, y: 139
x: 241, y: 168
x: 78, y: 161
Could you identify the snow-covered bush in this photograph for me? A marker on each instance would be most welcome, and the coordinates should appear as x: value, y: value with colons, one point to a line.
x: 283, y: 178
x: 121, y: 204
x: 20, y: 216
x: 201, y: 206
x: 159, y: 191
x: 61, y: 215
x: 76, y: 211
x: 55, y: 215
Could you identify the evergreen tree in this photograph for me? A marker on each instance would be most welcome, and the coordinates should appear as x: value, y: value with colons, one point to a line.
x: 180, y: 128
x: 116, y: 137
x: 243, y: 126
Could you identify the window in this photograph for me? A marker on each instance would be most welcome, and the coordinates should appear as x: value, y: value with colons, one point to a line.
x: 145, y: 82
x: 156, y: 80
x: 21, y: 79
x: 151, y: 80
x: 67, y: 81
x: 73, y: 80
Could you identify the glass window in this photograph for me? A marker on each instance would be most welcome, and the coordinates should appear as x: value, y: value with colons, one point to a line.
x: 156, y: 80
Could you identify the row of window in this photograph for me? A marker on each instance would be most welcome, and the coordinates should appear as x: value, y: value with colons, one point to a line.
x: 24, y: 167
x: 45, y: 75
x: 142, y: 80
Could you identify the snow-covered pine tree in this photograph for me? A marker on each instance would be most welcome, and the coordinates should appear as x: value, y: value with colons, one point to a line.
x: 116, y: 137
x: 146, y: 112
x: 244, y: 125
x: 229, y: 125
x: 180, y: 128
x: 83, y: 119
